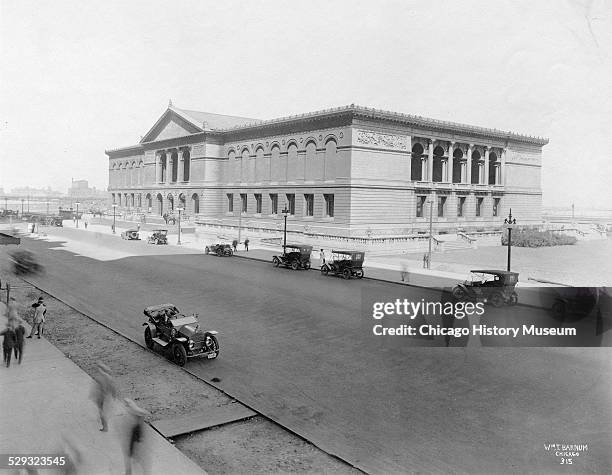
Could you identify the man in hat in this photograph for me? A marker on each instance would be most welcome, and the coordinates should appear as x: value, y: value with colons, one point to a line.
x: 40, y: 312
x: 8, y: 342
x: 102, y: 393
x: 134, y: 449
x: 19, y: 336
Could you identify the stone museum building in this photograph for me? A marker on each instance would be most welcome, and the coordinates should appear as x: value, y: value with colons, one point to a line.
x: 350, y: 171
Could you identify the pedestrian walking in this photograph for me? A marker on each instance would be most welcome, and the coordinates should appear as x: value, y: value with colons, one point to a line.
x: 235, y: 245
x: 102, y: 394
x: 40, y: 312
x: 404, y: 272
x: 246, y: 245
x: 19, y: 339
x: 8, y: 343
x: 86, y: 223
x: 12, y: 311
x: 322, y: 256
x: 135, y: 440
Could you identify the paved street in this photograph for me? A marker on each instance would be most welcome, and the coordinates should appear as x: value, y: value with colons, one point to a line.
x: 295, y: 347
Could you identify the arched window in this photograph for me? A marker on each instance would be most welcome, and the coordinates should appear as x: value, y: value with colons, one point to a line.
x: 170, y: 203
x: 182, y: 203
x: 231, y: 154
x: 475, y: 172
x: 160, y: 204
x: 149, y: 201
x: 311, y: 150
x: 457, y: 159
x: 416, y: 167
x: 196, y: 203
x: 292, y: 151
x: 141, y: 173
x: 437, y: 173
x: 259, y: 153
x: 331, y: 148
x: 492, y: 168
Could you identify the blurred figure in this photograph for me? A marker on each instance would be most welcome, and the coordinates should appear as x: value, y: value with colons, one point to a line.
x: 12, y: 311
x: 322, y: 256
x: 74, y: 458
x: 102, y: 393
x: 404, y: 272
x: 19, y: 339
x: 8, y: 343
x: 135, y: 447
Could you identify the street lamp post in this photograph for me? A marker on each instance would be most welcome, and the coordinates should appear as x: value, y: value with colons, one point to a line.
x: 114, y: 209
x: 510, y: 222
x: 430, y: 232
x: 77, y: 213
x: 285, y: 212
x: 179, y: 209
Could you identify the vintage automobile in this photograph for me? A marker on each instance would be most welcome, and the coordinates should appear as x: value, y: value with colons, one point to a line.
x: 158, y: 236
x: 296, y: 256
x: 170, y: 330
x: 57, y: 221
x: 345, y: 263
x: 573, y: 303
x: 130, y: 234
x: 219, y: 250
x: 494, y: 286
x: 24, y: 262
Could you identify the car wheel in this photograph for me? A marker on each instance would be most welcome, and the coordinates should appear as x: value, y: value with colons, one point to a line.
x: 206, y: 250
x: 275, y: 261
x: 458, y: 292
x: 228, y: 252
x: 346, y: 273
x: 359, y: 273
x: 179, y: 355
x: 497, y: 300
x: 513, y: 299
x: 213, y: 345
x: 558, y: 310
x: 148, y: 338
x: 307, y: 265
x: 295, y: 265
x: 324, y: 269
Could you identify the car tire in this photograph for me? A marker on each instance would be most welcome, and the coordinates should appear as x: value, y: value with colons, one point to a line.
x: 148, y: 338
x: 206, y: 250
x: 497, y: 300
x: 324, y: 269
x: 275, y: 261
x: 295, y: 265
x: 513, y: 299
x: 179, y: 355
x: 558, y: 310
x: 458, y: 293
x: 346, y: 273
x: 359, y: 273
x: 307, y: 265
x: 215, y: 344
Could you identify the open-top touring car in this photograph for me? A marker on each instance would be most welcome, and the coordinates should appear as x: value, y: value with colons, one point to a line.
x: 494, y: 286
x: 219, y: 250
x: 296, y: 256
x: 345, y: 263
x: 167, y: 328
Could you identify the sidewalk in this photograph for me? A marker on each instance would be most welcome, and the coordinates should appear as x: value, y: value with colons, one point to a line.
x: 47, y: 397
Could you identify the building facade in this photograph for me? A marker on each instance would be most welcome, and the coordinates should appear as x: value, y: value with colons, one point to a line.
x: 350, y: 171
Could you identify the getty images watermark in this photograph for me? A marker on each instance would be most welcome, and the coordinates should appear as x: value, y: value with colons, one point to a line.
x: 405, y: 308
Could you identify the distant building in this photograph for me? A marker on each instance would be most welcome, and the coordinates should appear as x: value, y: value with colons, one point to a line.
x: 350, y: 171
x: 80, y: 189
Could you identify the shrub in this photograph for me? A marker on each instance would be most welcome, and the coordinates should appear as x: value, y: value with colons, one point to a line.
x: 535, y: 238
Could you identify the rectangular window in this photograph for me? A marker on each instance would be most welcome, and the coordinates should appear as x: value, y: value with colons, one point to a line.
x: 420, y: 205
x: 309, y: 205
x: 496, y: 202
x: 460, y: 205
x: 258, y: 203
x: 441, y: 206
x: 479, y: 202
x: 230, y: 202
x: 329, y: 206
x: 274, y: 203
x: 291, y: 203
x: 243, y: 200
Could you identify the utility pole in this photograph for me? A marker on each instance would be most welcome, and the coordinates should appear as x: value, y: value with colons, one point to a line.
x: 510, y: 222
x: 430, y: 232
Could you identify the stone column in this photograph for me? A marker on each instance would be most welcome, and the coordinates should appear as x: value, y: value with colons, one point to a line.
x: 423, y: 169
x: 180, y: 166
x: 468, y: 174
x: 430, y: 161
x: 502, y: 168
x: 450, y: 166
x: 169, y: 166
x: 486, y: 166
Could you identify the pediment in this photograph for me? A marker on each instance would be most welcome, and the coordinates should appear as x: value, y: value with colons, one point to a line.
x: 169, y: 126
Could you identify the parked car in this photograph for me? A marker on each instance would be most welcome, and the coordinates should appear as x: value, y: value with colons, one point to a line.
x: 573, y: 303
x: 296, y: 256
x: 158, y: 236
x: 57, y: 221
x: 345, y: 263
x: 170, y: 330
x: 25, y: 262
x: 130, y: 234
x: 494, y: 286
x: 219, y: 250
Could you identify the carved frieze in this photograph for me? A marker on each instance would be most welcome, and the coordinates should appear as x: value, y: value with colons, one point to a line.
x: 198, y: 150
x: 399, y: 142
x: 521, y: 157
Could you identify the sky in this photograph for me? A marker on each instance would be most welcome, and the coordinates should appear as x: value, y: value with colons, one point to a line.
x: 81, y: 77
